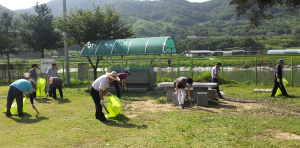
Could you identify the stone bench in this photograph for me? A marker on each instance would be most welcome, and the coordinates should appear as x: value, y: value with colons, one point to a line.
x: 111, y: 88
x: 197, y: 87
x: 175, y: 98
x: 202, y: 99
x: 211, y: 94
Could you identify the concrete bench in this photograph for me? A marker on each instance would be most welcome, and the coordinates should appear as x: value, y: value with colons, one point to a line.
x: 197, y: 87
x: 111, y: 88
x: 202, y: 99
x: 211, y: 94
x: 175, y: 98
x: 137, y: 89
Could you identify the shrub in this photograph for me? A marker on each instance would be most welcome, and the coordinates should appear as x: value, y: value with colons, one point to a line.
x: 206, y: 77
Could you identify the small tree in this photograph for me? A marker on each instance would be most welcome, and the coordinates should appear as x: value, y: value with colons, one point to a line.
x: 8, y: 38
x: 100, y: 24
x: 38, y: 32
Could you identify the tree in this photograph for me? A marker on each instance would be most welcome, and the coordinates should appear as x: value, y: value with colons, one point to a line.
x: 8, y: 38
x: 37, y: 31
x: 100, y: 24
x: 260, y: 9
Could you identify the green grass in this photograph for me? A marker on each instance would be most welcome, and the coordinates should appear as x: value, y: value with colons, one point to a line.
x: 71, y: 123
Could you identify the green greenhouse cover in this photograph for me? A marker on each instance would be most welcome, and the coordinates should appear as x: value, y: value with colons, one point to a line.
x: 134, y: 46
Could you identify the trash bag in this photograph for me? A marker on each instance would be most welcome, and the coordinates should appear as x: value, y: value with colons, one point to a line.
x: 40, y: 92
x: 114, y: 106
x: 285, y: 82
x: 14, y: 108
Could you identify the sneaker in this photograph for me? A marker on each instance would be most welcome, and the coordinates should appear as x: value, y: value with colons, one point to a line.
x: 182, y: 106
x: 222, y: 98
x: 34, y: 98
x: 54, y: 99
x: 121, y: 98
x: 62, y: 98
x: 8, y: 114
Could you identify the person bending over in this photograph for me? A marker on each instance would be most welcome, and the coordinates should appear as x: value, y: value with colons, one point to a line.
x: 96, y: 91
x: 122, y: 76
x: 16, y: 90
x: 56, y: 82
x: 180, y: 85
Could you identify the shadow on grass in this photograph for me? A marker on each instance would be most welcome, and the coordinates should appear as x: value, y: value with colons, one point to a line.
x: 62, y: 101
x: 43, y: 100
x: 27, y: 120
x: 122, y: 122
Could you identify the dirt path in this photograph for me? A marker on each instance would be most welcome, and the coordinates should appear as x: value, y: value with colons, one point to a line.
x: 138, y: 107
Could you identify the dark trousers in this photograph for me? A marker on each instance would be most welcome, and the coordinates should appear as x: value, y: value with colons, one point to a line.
x: 53, y: 89
x: 116, y: 84
x: 96, y: 97
x: 33, y: 95
x: 13, y: 93
x: 215, y: 80
x: 281, y: 87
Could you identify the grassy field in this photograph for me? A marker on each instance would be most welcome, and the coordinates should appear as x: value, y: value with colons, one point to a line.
x: 244, y: 119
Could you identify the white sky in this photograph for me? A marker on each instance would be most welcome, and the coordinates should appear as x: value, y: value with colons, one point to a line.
x: 23, y: 4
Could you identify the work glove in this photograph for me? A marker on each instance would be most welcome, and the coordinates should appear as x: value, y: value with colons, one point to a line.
x: 125, y: 88
x: 278, y: 80
x: 102, y: 102
x: 33, y: 106
x: 108, y: 94
x: 190, y: 98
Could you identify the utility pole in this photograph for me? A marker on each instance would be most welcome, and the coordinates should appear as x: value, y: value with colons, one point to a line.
x: 66, y: 47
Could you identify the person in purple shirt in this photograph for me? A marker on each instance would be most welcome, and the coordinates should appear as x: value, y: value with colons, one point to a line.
x: 122, y: 76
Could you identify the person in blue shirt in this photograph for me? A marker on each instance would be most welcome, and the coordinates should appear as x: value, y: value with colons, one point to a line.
x: 16, y: 90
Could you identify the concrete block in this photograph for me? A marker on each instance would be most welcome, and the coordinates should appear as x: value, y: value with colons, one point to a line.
x: 175, y: 98
x: 211, y: 94
x: 170, y: 91
x: 157, y: 88
x: 111, y: 88
x: 137, y: 89
x: 202, y: 98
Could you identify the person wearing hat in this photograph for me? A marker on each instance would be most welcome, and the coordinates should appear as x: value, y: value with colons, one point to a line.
x: 33, y: 76
x: 122, y: 76
x: 51, y: 72
x: 56, y: 82
x: 215, y: 78
x: 278, y: 79
x: 16, y: 90
x: 97, y: 89
x: 180, y: 85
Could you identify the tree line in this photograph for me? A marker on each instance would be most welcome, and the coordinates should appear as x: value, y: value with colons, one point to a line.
x: 40, y: 31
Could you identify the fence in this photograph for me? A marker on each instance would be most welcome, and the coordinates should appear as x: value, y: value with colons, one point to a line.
x: 241, y: 69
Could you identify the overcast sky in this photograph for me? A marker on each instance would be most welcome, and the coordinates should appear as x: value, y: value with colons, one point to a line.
x: 23, y: 4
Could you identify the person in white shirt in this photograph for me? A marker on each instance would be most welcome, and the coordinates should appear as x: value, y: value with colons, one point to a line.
x: 100, y: 85
x: 215, y: 78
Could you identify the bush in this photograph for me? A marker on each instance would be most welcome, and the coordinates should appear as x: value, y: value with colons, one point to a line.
x: 206, y: 77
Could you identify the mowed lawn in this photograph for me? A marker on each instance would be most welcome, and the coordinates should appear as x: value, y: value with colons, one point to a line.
x: 270, y: 122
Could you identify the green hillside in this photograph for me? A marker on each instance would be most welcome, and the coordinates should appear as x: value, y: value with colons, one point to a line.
x: 180, y: 18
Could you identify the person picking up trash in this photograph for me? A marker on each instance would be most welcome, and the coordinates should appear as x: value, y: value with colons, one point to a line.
x: 122, y: 76
x: 56, y: 82
x: 97, y: 89
x: 278, y: 79
x: 180, y: 85
x: 16, y: 90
